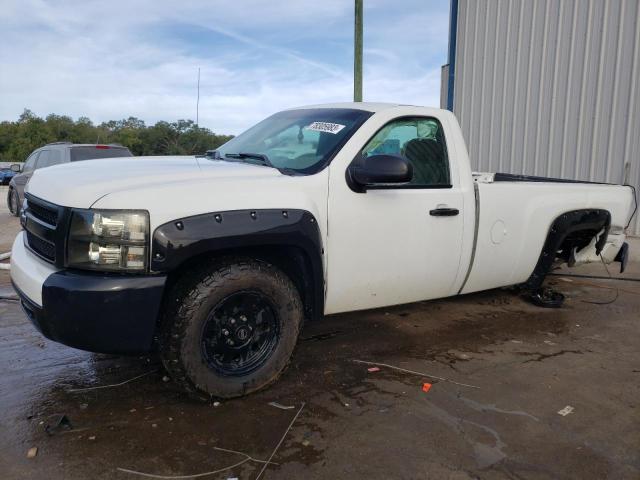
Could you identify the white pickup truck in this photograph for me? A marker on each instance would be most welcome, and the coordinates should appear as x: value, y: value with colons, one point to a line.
x: 217, y: 260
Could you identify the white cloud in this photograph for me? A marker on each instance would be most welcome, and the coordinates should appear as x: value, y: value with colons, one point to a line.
x: 118, y: 59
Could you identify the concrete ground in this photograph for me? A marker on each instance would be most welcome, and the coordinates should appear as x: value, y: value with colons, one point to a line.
x: 522, y: 365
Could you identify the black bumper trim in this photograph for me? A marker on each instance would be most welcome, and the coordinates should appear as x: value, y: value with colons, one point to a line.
x: 99, y: 313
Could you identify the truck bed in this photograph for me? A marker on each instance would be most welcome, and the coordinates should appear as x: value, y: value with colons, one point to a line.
x: 515, y: 216
x: 490, y: 177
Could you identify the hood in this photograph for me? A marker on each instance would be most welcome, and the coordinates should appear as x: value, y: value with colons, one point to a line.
x: 81, y: 184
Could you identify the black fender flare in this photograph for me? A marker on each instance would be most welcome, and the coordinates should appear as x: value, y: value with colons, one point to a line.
x: 562, y: 226
x: 180, y: 240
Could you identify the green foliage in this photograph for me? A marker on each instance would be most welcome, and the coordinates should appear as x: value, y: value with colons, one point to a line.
x: 18, y: 139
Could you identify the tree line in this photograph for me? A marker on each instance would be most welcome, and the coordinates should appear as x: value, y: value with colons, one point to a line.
x: 18, y: 139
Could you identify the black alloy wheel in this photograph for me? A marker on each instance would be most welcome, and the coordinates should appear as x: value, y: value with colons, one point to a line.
x: 240, y: 333
x: 229, y: 327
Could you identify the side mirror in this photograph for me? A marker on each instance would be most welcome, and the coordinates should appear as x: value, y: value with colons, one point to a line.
x: 379, y: 170
x: 16, y: 167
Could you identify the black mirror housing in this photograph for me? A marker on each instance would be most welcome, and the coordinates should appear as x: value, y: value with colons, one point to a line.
x: 379, y: 170
x: 16, y: 167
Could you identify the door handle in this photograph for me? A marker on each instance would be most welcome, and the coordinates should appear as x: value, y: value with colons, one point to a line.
x: 444, y: 212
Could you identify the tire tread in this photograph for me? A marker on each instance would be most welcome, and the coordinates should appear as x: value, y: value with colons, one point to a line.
x: 186, y: 298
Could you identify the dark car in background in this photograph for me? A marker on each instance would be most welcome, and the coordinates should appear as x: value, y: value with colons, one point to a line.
x: 6, y: 174
x: 55, y: 154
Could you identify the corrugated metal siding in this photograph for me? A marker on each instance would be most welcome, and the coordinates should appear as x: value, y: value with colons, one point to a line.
x: 550, y: 87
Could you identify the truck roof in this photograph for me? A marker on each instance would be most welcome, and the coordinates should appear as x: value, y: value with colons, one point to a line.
x: 371, y: 106
x: 368, y: 106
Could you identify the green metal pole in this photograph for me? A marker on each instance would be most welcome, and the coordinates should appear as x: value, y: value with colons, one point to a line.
x: 357, y: 51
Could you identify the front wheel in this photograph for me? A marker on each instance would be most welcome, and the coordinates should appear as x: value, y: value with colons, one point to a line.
x: 13, y: 202
x: 230, y: 328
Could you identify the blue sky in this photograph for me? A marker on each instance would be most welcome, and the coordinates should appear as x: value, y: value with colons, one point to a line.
x: 110, y: 60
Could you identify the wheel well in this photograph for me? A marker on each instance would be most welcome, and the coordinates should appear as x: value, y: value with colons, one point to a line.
x: 293, y: 261
x: 576, y: 239
x: 571, y: 229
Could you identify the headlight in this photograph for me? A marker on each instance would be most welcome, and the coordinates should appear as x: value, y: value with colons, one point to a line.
x: 109, y: 240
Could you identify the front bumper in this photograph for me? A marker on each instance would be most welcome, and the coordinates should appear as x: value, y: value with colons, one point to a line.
x: 104, y: 313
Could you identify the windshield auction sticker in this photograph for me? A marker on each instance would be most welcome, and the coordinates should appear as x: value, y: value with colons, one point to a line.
x: 325, y: 127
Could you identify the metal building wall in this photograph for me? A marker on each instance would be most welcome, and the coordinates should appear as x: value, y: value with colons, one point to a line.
x: 550, y: 87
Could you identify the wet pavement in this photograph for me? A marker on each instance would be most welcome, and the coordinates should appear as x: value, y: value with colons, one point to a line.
x: 528, y: 363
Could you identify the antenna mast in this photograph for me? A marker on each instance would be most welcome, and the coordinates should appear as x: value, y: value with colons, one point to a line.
x: 198, y: 100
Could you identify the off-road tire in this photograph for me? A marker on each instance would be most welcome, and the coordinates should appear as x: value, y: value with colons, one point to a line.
x: 187, y: 308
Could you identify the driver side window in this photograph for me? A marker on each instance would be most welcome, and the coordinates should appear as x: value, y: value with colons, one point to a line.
x: 419, y: 140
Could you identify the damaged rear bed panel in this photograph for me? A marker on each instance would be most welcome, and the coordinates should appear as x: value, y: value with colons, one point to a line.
x: 515, y: 219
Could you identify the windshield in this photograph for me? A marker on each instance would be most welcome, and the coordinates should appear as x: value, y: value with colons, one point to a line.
x: 303, y: 141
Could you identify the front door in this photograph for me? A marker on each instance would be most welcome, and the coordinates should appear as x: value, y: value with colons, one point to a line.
x: 396, y: 244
